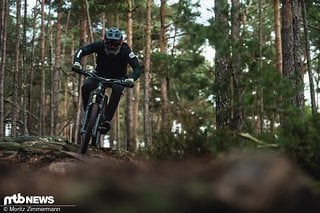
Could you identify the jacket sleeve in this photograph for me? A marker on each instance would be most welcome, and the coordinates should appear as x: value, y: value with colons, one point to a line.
x: 135, y: 65
x: 86, y: 50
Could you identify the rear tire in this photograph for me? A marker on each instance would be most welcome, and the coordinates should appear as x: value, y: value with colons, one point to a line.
x: 86, y: 136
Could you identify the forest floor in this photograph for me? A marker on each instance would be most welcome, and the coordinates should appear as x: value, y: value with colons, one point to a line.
x: 118, y: 181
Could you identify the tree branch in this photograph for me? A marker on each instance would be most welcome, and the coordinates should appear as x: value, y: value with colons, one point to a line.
x: 257, y: 141
x: 314, y: 27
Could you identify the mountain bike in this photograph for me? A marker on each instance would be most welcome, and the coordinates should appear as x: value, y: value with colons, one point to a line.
x: 93, y: 119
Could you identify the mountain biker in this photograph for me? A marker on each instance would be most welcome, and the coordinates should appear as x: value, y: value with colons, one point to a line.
x: 112, y: 58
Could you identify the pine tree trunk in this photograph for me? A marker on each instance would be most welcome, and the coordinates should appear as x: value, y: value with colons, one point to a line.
x: 103, y: 24
x: 66, y: 99
x: 89, y: 21
x: 164, y: 80
x: 30, y: 95
x: 131, y: 143
x: 259, y: 96
x: 297, y: 54
x: 24, y: 67
x: 237, y: 111
x: 2, y: 12
x: 16, y: 86
x: 287, y: 46
x: 292, y: 54
x: 222, y: 68
x: 73, y: 99
x: 307, y: 49
x: 3, y: 41
x: 277, y: 30
x: 52, y: 73
x: 136, y: 98
x: 90, y: 27
x: 147, y: 80
x: 56, y: 73
x: 135, y: 110
x: 42, y: 70
x: 1, y: 23
x: 83, y: 40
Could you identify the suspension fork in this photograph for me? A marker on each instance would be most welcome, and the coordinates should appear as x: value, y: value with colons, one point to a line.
x: 100, y: 99
x: 85, y: 117
x: 95, y: 97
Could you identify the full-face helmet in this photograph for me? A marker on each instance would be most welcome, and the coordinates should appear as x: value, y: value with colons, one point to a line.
x: 113, y: 40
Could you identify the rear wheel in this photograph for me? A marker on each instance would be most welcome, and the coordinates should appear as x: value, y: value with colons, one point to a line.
x: 86, y: 136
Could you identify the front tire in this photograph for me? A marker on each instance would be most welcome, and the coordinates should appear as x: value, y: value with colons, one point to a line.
x: 96, y: 140
x: 86, y: 136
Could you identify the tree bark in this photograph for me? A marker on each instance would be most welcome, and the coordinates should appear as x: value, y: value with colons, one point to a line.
x: 278, y: 46
x: 164, y: 80
x: 67, y: 100
x: 3, y: 41
x: 297, y: 54
x: 56, y: 74
x: 2, y: 12
x: 16, y: 86
x: 42, y: 70
x: 2, y: 9
x: 83, y: 41
x: 135, y: 110
x: 30, y: 72
x: 237, y: 111
x: 277, y: 30
x: 49, y: 37
x: 287, y: 44
x: 25, y: 68
x: 131, y: 143
x: 136, y: 98
x: 292, y: 69
x: 147, y: 79
x: 74, y: 100
x: 222, y: 67
x: 89, y: 27
x: 307, y: 49
x: 259, y: 89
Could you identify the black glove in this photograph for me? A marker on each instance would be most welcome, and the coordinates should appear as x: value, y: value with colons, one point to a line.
x: 77, y: 67
x: 129, y: 82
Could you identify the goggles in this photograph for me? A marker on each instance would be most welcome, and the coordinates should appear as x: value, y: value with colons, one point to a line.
x: 113, y: 44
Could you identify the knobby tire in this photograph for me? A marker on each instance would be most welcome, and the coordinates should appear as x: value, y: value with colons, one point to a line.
x: 96, y: 139
x: 86, y: 136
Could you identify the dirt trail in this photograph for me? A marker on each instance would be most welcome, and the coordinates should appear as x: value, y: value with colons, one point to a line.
x: 120, y: 182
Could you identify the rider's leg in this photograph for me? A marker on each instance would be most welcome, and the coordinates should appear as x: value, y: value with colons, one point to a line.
x: 89, y: 85
x: 111, y: 107
x: 113, y: 101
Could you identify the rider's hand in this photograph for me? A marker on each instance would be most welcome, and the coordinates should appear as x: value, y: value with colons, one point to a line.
x: 130, y: 81
x: 77, y: 66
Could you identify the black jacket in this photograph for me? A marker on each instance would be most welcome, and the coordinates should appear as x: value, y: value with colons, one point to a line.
x: 110, y: 66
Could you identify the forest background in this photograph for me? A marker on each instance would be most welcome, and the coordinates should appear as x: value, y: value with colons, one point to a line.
x: 266, y: 60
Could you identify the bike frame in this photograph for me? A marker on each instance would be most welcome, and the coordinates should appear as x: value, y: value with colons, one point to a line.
x: 94, y: 112
x: 99, y: 97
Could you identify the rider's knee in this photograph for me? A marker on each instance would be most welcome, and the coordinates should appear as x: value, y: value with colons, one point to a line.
x: 117, y: 89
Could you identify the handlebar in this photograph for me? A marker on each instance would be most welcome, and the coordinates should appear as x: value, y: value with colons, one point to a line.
x: 109, y: 81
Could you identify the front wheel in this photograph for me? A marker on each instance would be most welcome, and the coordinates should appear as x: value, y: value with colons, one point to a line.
x: 96, y: 139
x: 86, y: 136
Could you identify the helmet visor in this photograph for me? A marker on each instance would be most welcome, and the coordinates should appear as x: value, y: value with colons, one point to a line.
x: 113, y: 44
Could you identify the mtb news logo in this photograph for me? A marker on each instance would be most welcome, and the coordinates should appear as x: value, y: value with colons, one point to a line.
x: 18, y: 199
